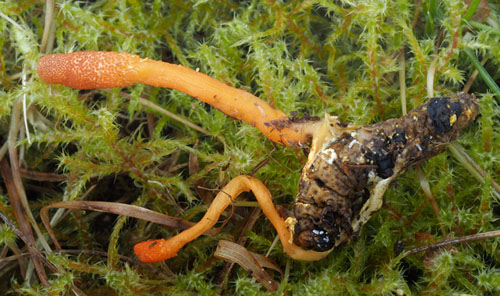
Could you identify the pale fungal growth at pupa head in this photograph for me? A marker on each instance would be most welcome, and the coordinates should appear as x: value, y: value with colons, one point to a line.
x: 329, y: 155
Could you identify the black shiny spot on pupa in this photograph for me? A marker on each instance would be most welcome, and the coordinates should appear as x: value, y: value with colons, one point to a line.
x: 323, y: 240
x: 439, y: 111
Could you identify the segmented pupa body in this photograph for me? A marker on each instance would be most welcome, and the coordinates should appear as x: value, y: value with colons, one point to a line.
x: 349, y: 168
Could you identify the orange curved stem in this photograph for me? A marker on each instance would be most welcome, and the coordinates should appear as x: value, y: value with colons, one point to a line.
x: 161, y: 249
x: 100, y: 69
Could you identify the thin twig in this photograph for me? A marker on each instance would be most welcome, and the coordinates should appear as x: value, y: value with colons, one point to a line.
x: 49, y: 16
x: 473, y: 237
x: 424, y: 184
x: 41, y: 176
x: 163, y: 111
x: 473, y: 77
x: 402, y: 80
x: 7, y: 18
x: 431, y: 72
x: 25, y: 117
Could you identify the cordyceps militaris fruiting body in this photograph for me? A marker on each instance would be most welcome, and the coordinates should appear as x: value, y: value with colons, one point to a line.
x: 348, y: 169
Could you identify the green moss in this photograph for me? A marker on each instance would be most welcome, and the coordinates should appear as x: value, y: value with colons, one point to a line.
x: 339, y: 57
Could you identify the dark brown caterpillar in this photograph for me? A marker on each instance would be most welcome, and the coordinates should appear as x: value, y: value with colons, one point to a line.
x: 349, y: 168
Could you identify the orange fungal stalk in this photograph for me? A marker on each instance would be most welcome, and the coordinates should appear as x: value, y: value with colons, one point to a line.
x: 160, y: 249
x: 102, y: 69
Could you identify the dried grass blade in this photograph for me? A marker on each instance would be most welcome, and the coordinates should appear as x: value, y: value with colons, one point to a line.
x: 251, y: 262
x: 266, y: 262
x: 473, y: 167
x: 115, y: 208
x: 21, y: 219
x: 41, y: 176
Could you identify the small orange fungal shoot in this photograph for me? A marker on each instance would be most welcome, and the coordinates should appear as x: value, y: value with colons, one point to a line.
x: 103, y: 69
x: 161, y: 249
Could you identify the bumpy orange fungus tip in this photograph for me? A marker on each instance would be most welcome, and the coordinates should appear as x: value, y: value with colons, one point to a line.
x: 154, y: 251
x: 88, y: 69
